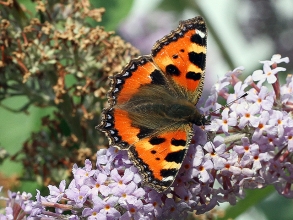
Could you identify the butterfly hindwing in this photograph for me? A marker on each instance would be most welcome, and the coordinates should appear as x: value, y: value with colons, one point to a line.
x: 159, y: 158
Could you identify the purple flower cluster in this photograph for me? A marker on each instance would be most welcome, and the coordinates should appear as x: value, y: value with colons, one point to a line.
x: 251, y: 145
x: 254, y: 143
x: 17, y: 205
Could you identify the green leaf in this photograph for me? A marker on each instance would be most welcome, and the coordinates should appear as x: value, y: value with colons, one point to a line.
x: 115, y: 12
x: 16, y: 128
x: 253, y: 197
x: 284, y: 207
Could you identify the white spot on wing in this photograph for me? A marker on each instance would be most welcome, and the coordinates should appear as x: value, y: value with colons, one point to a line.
x: 200, y: 33
x: 168, y: 178
x: 108, y: 124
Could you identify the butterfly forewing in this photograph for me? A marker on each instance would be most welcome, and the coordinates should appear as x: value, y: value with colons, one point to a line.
x: 181, y: 55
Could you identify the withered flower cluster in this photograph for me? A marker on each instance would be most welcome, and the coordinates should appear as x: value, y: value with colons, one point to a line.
x: 58, y: 58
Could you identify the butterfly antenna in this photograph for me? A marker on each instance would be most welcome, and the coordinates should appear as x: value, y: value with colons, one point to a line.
x: 230, y: 103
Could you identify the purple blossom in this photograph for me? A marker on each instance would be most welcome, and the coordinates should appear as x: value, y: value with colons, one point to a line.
x: 276, y: 59
x: 120, y: 181
x: 128, y: 193
x: 171, y: 208
x: 84, y: 173
x: 186, y: 195
x: 230, y: 166
x: 56, y: 194
x: 227, y: 120
x: 248, y: 115
x: 97, y: 184
x: 107, y: 206
x: 264, y: 126
x: 216, y: 151
x: 77, y: 194
x: 282, y: 120
x: 267, y: 74
x: 202, y: 171
x: 134, y: 211
x: 262, y: 98
x: 155, y: 199
x: 246, y: 147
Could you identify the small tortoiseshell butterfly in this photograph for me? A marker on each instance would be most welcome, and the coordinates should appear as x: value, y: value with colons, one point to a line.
x: 152, y: 103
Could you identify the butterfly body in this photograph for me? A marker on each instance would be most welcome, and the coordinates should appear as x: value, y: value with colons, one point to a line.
x: 152, y: 104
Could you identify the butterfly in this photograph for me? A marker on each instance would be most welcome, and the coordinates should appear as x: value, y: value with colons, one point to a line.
x: 152, y: 103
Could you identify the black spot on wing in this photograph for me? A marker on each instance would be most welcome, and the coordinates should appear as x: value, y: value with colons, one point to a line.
x: 175, y: 56
x: 198, y: 40
x: 156, y: 140
x: 153, y: 152
x: 157, y: 78
x: 172, y: 70
x: 144, y: 132
x: 179, y: 142
x: 192, y: 75
x: 176, y: 157
x: 168, y: 172
x: 198, y: 59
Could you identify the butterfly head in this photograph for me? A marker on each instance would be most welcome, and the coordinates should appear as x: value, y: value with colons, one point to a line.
x: 199, y: 119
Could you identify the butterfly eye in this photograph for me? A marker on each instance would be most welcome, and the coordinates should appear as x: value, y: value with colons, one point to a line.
x: 206, y: 120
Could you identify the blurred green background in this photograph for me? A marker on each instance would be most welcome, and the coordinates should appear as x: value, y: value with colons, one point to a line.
x: 240, y: 34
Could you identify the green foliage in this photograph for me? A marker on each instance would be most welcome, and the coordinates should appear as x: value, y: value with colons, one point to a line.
x: 116, y: 11
x: 253, y: 197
